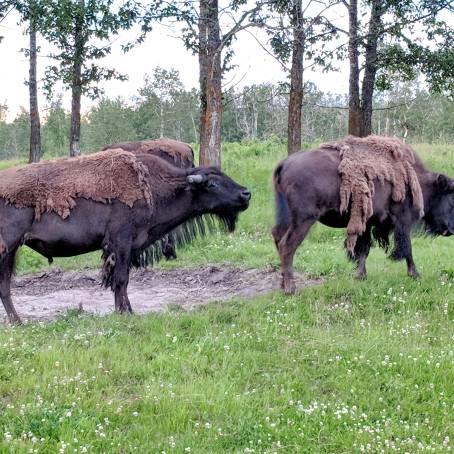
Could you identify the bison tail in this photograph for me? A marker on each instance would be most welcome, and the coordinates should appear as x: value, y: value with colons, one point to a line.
x: 282, y: 208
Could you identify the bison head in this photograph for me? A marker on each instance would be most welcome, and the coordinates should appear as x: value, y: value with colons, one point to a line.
x: 439, y: 217
x: 216, y: 193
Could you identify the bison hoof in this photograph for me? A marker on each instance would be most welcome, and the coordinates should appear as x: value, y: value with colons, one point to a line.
x: 289, y: 288
x: 414, y: 274
x: 361, y: 277
x: 15, y: 320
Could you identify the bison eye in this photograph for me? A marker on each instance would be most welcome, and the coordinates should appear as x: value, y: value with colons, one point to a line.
x: 212, y: 184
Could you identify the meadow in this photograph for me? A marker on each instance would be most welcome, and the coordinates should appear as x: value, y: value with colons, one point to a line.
x: 341, y: 367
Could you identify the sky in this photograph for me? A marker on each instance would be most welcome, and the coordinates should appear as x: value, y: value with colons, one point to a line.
x: 163, y: 48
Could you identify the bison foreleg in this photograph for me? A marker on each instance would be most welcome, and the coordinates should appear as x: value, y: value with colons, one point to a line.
x: 6, y: 271
x: 287, y: 248
x: 119, y: 259
x: 107, y: 269
x: 168, y: 248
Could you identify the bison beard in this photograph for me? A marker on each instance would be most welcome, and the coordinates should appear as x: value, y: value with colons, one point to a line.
x: 364, y: 161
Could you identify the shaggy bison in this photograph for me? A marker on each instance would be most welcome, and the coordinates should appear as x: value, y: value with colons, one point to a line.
x: 172, y: 151
x: 373, y: 186
x: 118, y: 203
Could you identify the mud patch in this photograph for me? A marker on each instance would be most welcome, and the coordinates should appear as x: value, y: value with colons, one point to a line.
x: 47, y: 295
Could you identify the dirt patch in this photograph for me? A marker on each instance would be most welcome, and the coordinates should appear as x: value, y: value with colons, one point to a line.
x: 44, y: 296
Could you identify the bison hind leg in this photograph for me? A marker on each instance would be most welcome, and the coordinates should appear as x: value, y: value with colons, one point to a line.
x: 403, y: 249
x: 361, y: 252
x: 287, y: 246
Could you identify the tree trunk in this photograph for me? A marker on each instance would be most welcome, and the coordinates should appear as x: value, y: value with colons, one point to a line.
x: 35, y: 127
x: 370, y: 69
x: 296, y: 80
x: 354, y: 104
x: 161, y: 116
x: 76, y: 86
x: 210, y: 83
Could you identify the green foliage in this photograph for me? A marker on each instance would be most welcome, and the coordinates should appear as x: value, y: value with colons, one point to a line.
x: 257, y: 112
x: 416, y: 38
x: 55, y: 131
x: 98, y: 21
x: 290, y: 22
x: 110, y: 121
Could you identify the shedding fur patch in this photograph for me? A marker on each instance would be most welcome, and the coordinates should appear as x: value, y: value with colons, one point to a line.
x: 363, y: 161
x: 53, y: 186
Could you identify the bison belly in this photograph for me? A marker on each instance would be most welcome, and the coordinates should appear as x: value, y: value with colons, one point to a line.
x: 83, y: 231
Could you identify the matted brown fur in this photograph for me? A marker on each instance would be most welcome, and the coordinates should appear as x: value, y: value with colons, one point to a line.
x: 54, y: 185
x: 363, y: 161
x: 174, y: 148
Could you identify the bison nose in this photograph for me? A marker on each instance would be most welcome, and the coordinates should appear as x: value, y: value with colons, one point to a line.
x: 246, y: 195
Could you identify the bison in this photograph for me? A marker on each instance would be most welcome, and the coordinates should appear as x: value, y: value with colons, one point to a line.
x: 172, y: 151
x: 307, y: 189
x: 122, y: 232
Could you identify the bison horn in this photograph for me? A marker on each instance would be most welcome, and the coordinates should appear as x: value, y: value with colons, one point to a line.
x: 195, y: 178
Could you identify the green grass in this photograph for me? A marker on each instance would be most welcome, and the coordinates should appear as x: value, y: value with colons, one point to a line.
x: 342, y: 367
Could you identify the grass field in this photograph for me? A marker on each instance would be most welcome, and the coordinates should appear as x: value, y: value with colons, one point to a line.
x: 342, y: 367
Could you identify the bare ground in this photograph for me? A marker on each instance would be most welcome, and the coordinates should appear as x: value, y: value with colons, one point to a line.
x: 46, y: 295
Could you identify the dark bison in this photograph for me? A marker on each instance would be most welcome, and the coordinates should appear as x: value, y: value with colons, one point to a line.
x: 172, y: 151
x: 122, y: 232
x: 307, y: 188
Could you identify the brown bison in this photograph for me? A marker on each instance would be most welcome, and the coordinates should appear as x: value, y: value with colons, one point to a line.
x: 121, y: 229
x: 309, y: 188
x: 172, y: 151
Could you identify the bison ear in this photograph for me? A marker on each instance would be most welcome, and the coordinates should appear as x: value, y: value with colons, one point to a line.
x: 445, y: 183
x: 196, y: 179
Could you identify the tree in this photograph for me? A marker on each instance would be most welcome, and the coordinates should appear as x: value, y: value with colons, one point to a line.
x: 29, y: 11
x: 392, y: 47
x: 204, y: 35
x: 56, y: 128
x: 35, y: 125
x: 296, y: 78
x: 306, y: 35
x: 210, y: 79
x: 111, y: 121
x: 81, y: 30
x: 164, y: 86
